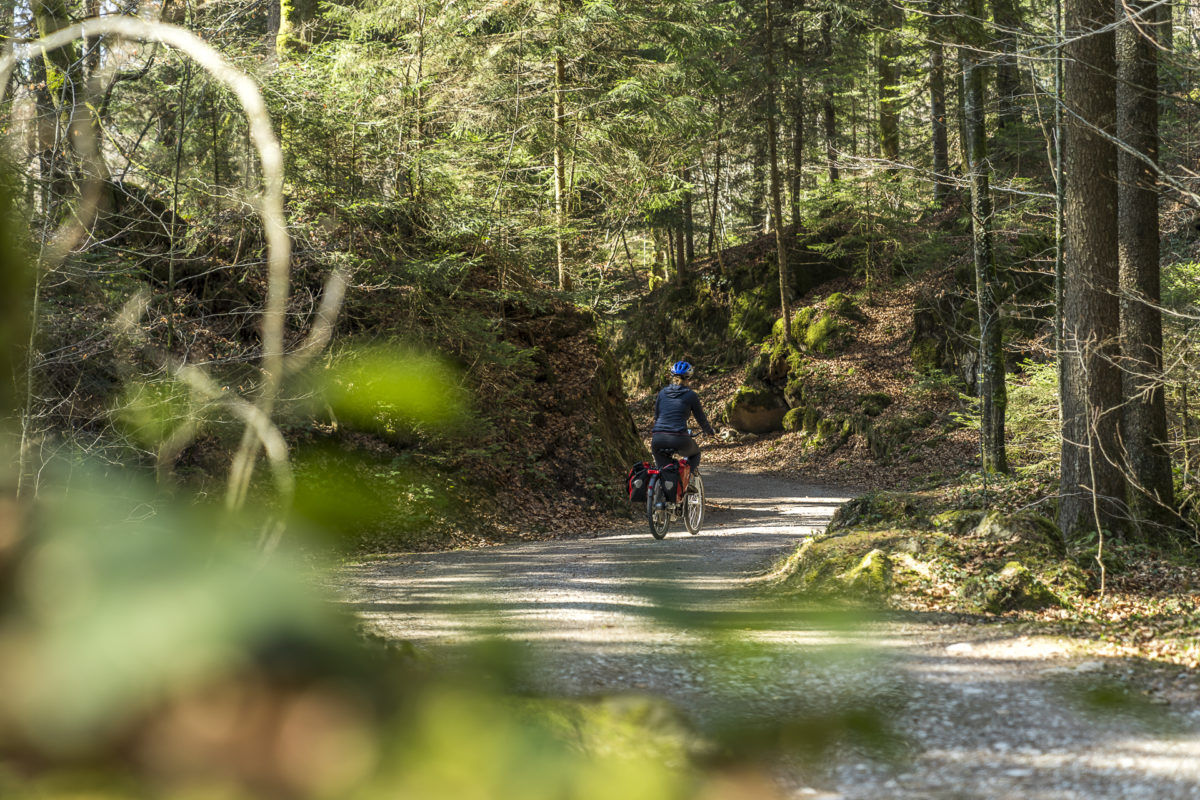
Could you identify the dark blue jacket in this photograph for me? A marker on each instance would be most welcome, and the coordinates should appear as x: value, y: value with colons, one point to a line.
x: 673, y: 406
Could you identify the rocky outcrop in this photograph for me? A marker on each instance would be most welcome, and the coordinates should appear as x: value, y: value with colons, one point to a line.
x: 756, y: 411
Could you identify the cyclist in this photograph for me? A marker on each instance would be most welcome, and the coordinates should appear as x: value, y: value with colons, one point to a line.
x: 672, y: 408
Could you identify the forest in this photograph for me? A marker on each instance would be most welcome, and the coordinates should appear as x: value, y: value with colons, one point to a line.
x: 307, y: 303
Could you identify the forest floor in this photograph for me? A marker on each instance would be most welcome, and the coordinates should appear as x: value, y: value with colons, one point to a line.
x: 858, y: 704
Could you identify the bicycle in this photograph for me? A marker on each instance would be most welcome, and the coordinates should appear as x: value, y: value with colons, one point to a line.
x: 686, y: 499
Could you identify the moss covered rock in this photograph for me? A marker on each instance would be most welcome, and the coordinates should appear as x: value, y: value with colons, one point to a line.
x: 1023, y: 534
x: 873, y: 403
x: 886, y: 509
x: 870, y: 577
x: 843, y: 305
x: 925, y: 355
x: 856, y: 565
x: 1013, y: 588
x: 957, y: 521
x: 793, y: 420
x: 756, y: 410
x: 751, y: 317
x: 822, y: 335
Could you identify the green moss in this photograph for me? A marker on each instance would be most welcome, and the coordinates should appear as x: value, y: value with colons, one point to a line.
x: 793, y: 393
x: 871, y: 576
x: 752, y: 395
x: 827, y: 429
x: 842, y: 305
x: 759, y: 370
x: 925, y: 355
x: 752, y: 316
x: 855, y: 565
x: 958, y: 521
x: 882, y: 509
x: 819, y: 336
x: 803, y: 318
x: 1013, y: 588
x: 873, y: 403
x: 793, y: 421
x: 1024, y: 535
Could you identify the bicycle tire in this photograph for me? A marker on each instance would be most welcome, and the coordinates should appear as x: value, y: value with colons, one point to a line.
x: 693, y: 505
x: 658, y: 517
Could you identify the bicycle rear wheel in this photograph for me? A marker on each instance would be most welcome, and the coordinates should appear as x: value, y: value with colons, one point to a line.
x: 693, y: 505
x: 657, y: 513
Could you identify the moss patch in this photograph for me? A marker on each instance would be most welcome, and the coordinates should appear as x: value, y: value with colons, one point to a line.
x: 897, y: 546
x: 821, y: 334
x: 793, y: 420
x: 1013, y: 588
x: 755, y: 409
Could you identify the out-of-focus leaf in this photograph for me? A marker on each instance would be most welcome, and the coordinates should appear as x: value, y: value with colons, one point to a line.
x: 351, y: 494
x: 119, y: 604
x: 391, y: 388
x: 151, y: 410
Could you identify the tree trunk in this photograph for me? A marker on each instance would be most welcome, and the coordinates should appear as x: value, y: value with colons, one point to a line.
x: 274, y: 20
x: 1144, y: 420
x: 1008, y: 75
x: 887, y: 63
x: 680, y: 253
x: 689, y: 222
x: 560, y: 166
x: 1092, y: 491
x: 295, y: 18
x: 937, y: 114
x: 797, y: 84
x: 992, y: 393
x: 785, y: 290
x: 960, y: 91
x: 16, y: 294
x: 760, y: 215
x: 60, y: 91
x: 716, y: 188
x: 827, y: 91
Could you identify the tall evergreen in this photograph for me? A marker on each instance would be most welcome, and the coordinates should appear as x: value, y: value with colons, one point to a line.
x: 1092, y: 490
x: 1144, y: 420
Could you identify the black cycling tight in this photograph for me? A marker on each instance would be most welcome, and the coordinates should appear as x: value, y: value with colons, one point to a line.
x: 663, y: 444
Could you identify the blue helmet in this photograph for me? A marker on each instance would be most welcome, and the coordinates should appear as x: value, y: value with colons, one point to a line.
x: 682, y: 368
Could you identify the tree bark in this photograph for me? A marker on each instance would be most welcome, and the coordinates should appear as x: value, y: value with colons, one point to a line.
x: 993, y: 395
x: 560, y: 165
x: 887, y: 62
x: 1144, y: 420
x: 295, y: 18
x: 680, y: 254
x: 785, y: 290
x: 60, y: 91
x: 716, y: 189
x: 1008, y: 75
x: 760, y: 191
x: 827, y: 91
x: 937, y: 114
x: 689, y: 222
x: 797, y: 95
x: 1092, y: 490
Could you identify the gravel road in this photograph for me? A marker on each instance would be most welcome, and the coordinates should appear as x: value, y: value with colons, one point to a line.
x: 970, y: 710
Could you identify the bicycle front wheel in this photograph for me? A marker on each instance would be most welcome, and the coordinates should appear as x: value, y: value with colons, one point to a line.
x: 693, y: 505
x: 657, y: 512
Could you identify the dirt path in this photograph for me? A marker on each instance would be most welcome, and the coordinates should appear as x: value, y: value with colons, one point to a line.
x: 971, y: 710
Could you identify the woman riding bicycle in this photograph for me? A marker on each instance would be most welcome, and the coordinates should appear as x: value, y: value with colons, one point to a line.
x: 672, y: 408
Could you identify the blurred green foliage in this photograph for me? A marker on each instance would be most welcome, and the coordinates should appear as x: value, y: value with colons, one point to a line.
x: 393, y: 389
x: 141, y: 655
x: 152, y: 410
